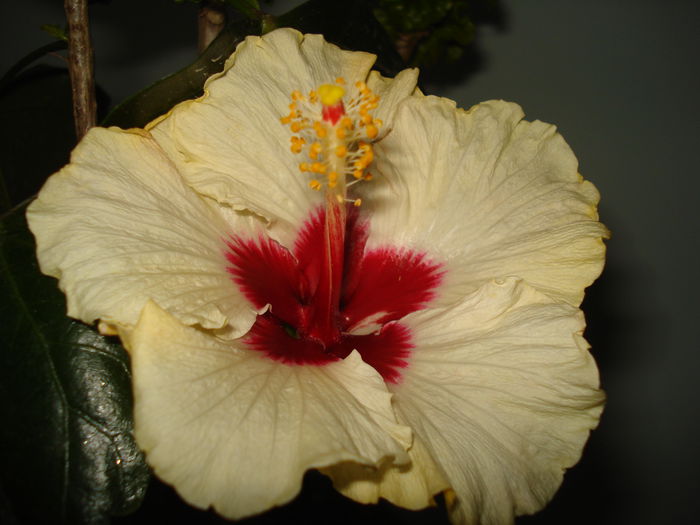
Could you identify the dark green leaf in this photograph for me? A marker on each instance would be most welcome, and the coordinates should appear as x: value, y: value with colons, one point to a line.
x: 67, y: 454
x: 350, y: 24
x: 160, y: 97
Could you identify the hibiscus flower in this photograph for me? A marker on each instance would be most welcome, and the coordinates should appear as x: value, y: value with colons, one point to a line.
x: 316, y: 267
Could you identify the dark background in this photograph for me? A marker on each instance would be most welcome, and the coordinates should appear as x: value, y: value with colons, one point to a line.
x: 620, y: 79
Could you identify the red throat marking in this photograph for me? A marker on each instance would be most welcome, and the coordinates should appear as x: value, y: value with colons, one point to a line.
x: 330, y: 295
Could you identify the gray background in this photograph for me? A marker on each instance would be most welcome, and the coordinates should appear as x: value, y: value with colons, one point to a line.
x: 620, y: 79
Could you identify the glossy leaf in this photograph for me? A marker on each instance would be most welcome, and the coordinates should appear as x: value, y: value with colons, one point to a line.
x: 66, y: 445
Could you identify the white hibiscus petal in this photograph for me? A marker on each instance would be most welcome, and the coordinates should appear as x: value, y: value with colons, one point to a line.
x: 118, y: 226
x: 503, y: 393
x: 232, y: 429
x: 391, y: 92
x: 489, y: 193
x: 411, y: 486
x: 230, y: 143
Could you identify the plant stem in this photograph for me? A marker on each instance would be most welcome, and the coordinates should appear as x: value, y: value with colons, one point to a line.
x: 80, y: 63
x: 211, y: 20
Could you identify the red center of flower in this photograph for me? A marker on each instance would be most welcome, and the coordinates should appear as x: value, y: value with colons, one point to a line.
x: 330, y: 295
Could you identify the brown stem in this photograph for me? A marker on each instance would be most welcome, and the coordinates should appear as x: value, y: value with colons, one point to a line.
x: 212, y: 19
x: 80, y: 64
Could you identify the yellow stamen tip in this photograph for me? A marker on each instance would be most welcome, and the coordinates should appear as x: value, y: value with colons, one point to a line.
x: 330, y: 94
x: 341, y: 151
x: 315, y: 185
x: 340, y: 80
x: 371, y: 130
x: 357, y: 202
x: 320, y: 130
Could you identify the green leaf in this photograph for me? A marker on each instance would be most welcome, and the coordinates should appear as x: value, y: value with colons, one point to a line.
x: 159, y: 98
x: 349, y: 24
x: 67, y: 454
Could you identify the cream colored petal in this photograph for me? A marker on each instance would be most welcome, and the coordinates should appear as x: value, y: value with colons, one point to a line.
x: 118, y: 226
x: 502, y: 391
x: 232, y: 429
x: 391, y: 92
x: 490, y: 194
x: 230, y: 143
x: 411, y: 486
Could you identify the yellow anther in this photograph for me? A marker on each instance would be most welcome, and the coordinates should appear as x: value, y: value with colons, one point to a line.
x: 293, y: 106
x: 296, y: 95
x: 333, y: 176
x: 286, y: 120
x: 297, y: 144
x: 340, y: 133
x: 362, y: 87
x: 378, y: 122
x: 332, y: 184
x: 357, y: 174
x: 339, y: 80
x: 315, y: 185
x: 341, y: 151
x: 315, y: 150
x: 317, y: 167
x: 346, y: 123
x: 368, y: 176
x: 320, y: 130
x: 296, y: 127
x: 366, y: 118
x: 304, y: 166
x: 313, y: 97
x: 330, y: 94
x: 357, y: 202
x: 360, y: 164
x: 372, y: 130
x: 368, y: 157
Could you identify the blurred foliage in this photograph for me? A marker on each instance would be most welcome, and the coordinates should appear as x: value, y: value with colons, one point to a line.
x: 427, y: 32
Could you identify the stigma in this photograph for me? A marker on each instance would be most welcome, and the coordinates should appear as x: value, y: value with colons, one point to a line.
x: 333, y: 133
